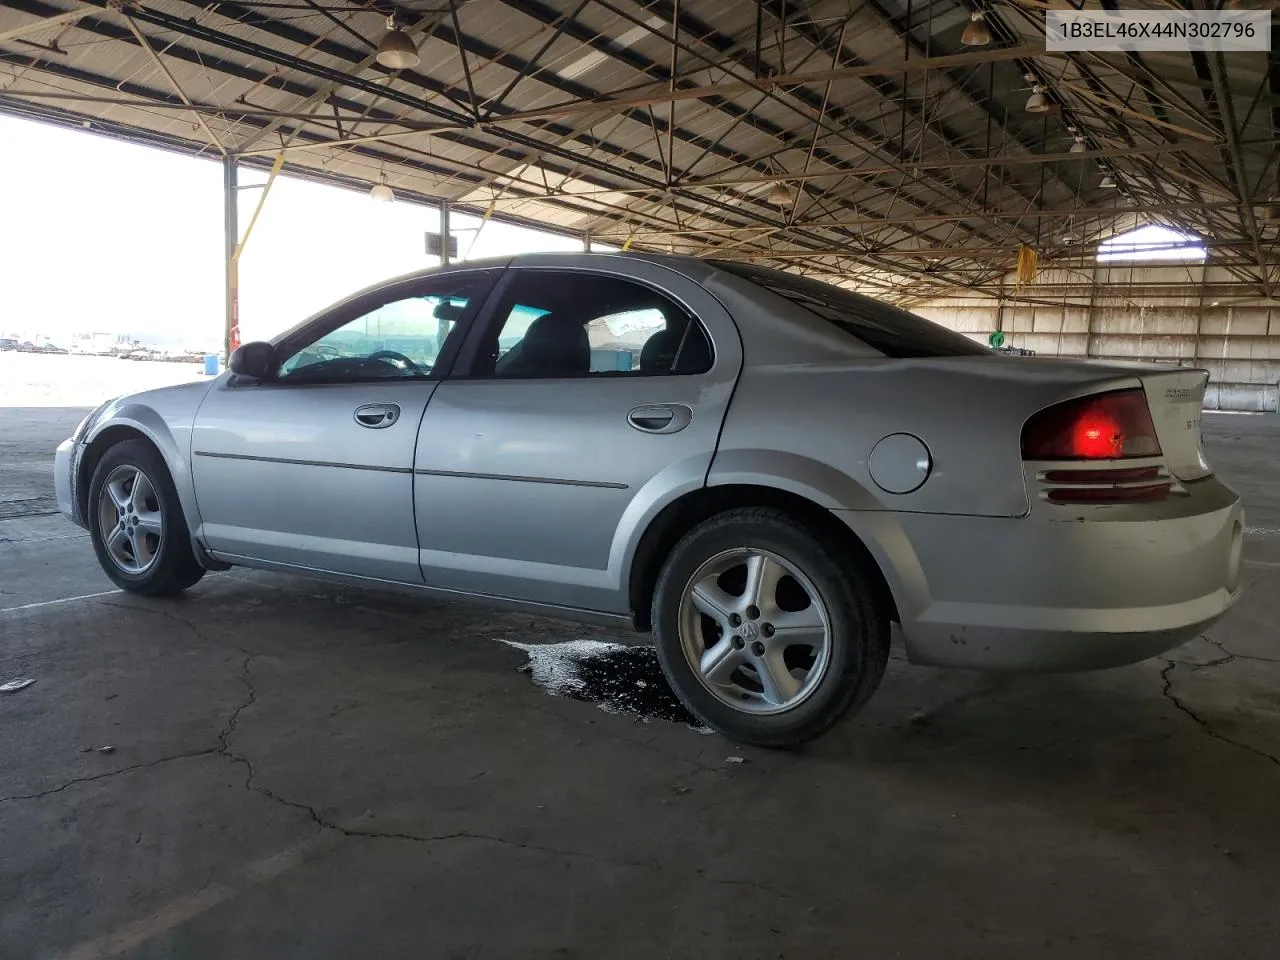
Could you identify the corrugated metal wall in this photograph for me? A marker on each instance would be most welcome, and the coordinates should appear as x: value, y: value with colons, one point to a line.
x: 1182, y: 313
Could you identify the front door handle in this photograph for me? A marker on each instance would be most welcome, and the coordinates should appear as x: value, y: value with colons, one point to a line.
x: 375, y: 416
x: 660, y: 417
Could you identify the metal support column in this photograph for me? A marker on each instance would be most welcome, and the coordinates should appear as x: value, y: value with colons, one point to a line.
x: 444, y: 233
x: 1204, y: 281
x: 1000, y: 305
x: 1092, y: 308
x: 586, y: 242
x: 231, y: 227
x: 442, y: 325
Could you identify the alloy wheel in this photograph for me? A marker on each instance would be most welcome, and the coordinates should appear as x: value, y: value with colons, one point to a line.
x: 129, y: 519
x: 755, y: 631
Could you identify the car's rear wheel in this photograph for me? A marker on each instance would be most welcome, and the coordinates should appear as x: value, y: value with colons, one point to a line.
x: 765, y: 629
x: 135, y: 519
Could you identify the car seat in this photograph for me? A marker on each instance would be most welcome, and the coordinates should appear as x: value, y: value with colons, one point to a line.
x: 553, y: 346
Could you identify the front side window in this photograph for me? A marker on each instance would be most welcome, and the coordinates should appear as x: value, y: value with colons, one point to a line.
x: 892, y: 331
x: 403, y: 337
x: 552, y: 324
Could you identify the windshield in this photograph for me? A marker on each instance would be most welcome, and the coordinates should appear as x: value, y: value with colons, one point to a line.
x: 892, y: 331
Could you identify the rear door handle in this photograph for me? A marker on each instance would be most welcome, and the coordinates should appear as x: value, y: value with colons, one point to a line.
x: 660, y: 417
x: 375, y: 416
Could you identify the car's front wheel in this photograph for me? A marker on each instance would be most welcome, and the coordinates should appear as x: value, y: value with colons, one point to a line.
x: 765, y: 629
x: 135, y: 519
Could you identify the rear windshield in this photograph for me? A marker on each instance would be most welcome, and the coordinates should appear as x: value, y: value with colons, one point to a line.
x: 894, y: 332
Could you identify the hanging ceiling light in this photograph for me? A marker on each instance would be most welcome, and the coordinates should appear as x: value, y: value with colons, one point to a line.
x: 1078, y: 146
x: 396, y: 50
x: 1070, y: 235
x: 976, y: 33
x: 780, y: 195
x: 1036, y: 103
x: 381, y: 191
x: 1107, y: 182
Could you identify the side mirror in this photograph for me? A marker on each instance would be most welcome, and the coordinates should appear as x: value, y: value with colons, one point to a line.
x: 256, y: 360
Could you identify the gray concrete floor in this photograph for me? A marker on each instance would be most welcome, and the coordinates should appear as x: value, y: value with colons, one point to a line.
x: 308, y: 771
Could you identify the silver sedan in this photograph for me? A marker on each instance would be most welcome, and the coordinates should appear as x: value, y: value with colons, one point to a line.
x: 770, y: 474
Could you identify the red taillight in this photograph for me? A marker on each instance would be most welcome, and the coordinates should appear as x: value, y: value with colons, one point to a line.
x: 1105, y: 426
x: 1097, y: 436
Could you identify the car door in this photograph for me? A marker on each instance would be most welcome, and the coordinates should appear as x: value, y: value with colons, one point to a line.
x: 313, y: 467
x: 586, y: 400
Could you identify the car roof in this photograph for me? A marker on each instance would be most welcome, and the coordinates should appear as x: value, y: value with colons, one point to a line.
x: 681, y: 264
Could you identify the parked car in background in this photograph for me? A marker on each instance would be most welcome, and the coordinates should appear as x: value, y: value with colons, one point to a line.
x: 28, y: 346
x: 765, y: 471
x: 139, y: 353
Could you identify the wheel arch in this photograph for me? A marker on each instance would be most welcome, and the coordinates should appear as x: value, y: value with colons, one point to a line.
x: 96, y: 449
x: 135, y: 422
x: 681, y: 515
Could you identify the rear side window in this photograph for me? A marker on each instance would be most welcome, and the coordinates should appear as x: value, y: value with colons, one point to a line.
x: 551, y: 324
x: 894, y: 332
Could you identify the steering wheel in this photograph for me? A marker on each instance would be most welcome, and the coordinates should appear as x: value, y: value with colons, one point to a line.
x: 396, y: 359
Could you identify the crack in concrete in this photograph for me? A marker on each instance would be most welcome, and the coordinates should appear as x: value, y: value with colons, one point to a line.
x: 176, y: 618
x: 225, y: 751
x: 487, y: 838
x: 366, y: 834
x: 209, y: 751
x: 251, y: 775
x: 185, y: 755
x: 225, y: 733
x: 1229, y: 655
x: 1166, y: 675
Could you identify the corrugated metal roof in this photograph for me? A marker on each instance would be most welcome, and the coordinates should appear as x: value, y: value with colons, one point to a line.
x: 886, y: 172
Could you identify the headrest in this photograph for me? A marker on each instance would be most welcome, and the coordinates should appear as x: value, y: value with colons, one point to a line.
x: 659, y: 352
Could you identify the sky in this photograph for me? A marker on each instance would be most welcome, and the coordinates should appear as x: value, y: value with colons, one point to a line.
x: 1152, y: 242
x: 104, y: 236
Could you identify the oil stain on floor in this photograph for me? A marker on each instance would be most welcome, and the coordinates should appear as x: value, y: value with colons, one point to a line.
x: 616, y: 677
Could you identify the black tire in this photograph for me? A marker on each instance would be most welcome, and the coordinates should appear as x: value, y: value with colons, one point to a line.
x: 857, y: 629
x: 174, y: 567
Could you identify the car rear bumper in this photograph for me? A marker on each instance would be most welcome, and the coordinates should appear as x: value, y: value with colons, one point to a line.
x: 1111, y: 587
x: 1050, y: 639
x: 66, y: 467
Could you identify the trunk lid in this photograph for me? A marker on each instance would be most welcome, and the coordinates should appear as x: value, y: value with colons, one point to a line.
x: 1176, y: 401
x: 1175, y: 397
